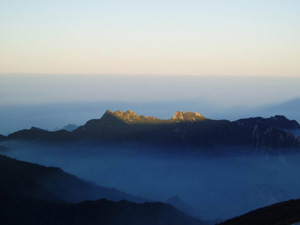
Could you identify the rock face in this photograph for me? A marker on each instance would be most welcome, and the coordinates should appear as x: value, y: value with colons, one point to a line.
x: 187, y: 116
x: 131, y: 117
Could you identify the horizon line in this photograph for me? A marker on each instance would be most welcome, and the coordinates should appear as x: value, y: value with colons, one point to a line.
x: 145, y: 74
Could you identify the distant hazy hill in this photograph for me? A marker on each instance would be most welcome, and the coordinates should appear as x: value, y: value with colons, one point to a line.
x: 284, y: 213
x: 49, y: 183
x: 23, y: 185
x: 69, y: 127
x: 177, y: 202
x: 189, y: 129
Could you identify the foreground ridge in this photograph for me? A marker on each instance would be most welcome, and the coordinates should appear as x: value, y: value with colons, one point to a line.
x: 281, y: 213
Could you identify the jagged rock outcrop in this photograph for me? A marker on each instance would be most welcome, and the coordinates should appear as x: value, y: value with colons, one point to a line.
x: 187, y: 116
x: 131, y: 117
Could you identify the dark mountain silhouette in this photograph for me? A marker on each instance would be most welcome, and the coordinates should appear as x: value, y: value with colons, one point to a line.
x: 37, y: 134
x: 24, y: 185
x: 18, y: 210
x: 280, y: 122
x: 282, y: 213
x: 190, y: 130
x: 49, y: 183
x: 2, y: 137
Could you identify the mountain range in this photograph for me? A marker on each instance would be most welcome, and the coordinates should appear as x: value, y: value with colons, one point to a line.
x: 184, y: 129
x: 28, y: 189
x: 34, y: 194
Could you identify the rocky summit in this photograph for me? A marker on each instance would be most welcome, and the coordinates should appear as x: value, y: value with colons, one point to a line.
x: 187, y: 116
x: 131, y: 117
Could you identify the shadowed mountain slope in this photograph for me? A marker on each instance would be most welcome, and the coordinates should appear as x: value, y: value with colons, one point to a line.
x: 49, y: 183
x: 283, y: 213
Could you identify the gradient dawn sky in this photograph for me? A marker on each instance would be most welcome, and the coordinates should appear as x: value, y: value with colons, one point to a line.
x: 190, y: 37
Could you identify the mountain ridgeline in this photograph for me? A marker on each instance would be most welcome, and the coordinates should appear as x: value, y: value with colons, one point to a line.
x: 184, y: 129
x: 52, y: 184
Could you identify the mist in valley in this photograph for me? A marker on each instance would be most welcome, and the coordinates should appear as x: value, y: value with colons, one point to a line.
x: 213, y: 185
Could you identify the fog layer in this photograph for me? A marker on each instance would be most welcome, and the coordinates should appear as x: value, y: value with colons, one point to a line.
x: 214, y: 186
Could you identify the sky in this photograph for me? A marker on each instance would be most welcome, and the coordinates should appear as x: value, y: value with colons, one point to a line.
x: 53, y: 101
x: 170, y: 37
x: 68, y: 61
